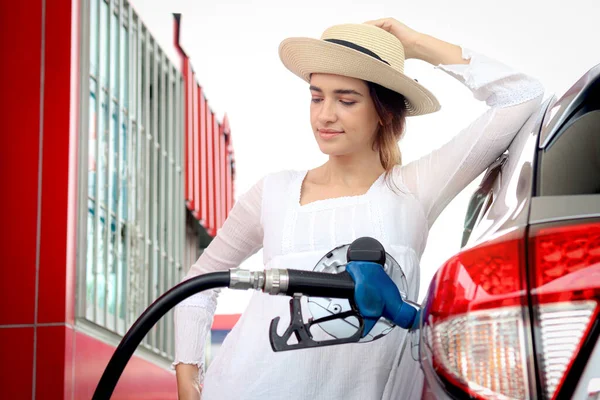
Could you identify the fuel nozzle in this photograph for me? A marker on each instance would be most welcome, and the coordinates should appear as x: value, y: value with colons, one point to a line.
x: 309, y: 283
x: 372, y: 295
x: 290, y: 282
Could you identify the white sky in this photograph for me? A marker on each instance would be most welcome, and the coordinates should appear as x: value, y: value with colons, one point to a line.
x: 233, y: 46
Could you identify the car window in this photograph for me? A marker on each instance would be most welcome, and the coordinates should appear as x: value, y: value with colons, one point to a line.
x: 570, y: 164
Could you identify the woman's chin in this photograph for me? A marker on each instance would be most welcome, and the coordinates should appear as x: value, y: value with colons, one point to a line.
x: 331, y: 150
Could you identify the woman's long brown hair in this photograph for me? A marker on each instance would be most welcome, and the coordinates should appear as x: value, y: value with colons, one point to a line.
x: 391, y: 108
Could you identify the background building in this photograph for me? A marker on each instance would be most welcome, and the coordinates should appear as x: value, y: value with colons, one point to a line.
x: 118, y: 175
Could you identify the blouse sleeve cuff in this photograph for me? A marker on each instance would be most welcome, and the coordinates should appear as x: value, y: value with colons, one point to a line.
x: 490, y: 80
x: 192, y: 325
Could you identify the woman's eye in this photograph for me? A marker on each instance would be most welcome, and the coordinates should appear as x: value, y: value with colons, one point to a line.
x: 346, y: 103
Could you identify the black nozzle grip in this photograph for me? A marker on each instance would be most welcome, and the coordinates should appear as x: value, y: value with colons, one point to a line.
x: 320, y: 284
x: 366, y: 249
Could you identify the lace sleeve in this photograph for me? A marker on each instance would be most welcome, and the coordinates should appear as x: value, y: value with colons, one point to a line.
x: 240, y: 237
x: 439, y: 176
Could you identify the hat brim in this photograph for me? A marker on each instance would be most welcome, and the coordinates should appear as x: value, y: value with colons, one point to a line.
x: 305, y: 56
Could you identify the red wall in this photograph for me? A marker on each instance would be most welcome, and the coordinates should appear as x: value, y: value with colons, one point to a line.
x: 41, y: 353
x: 140, y: 380
x: 19, y: 159
x: 209, y: 177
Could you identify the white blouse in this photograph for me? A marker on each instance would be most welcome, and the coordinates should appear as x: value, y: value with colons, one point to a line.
x: 270, y: 216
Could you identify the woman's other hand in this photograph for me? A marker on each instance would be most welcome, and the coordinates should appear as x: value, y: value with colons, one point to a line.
x: 188, y: 387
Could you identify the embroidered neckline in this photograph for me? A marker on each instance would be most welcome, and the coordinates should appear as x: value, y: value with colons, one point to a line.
x: 332, y: 201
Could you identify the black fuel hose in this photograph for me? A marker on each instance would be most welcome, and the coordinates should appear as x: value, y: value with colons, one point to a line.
x: 309, y: 283
x: 146, y: 321
x: 305, y: 282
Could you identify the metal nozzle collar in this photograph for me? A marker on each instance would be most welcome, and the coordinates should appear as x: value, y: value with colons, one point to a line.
x: 245, y: 279
x: 276, y: 281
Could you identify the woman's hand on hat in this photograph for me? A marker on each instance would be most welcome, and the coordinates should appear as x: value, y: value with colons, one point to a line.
x: 421, y: 46
x: 406, y: 35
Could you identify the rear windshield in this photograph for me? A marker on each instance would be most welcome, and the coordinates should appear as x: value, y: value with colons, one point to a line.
x: 570, y: 165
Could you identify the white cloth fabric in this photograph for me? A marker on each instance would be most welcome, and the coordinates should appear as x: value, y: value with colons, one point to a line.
x: 270, y: 216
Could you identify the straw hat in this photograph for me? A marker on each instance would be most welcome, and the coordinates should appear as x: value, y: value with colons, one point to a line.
x: 358, y: 51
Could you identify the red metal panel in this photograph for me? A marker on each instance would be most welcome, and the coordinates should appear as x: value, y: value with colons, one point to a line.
x: 217, y: 171
x: 140, y: 380
x: 230, y: 172
x: 196, y: 147
x: 16, y: 347
x: 229, y: 182
x: 189, y: 135
x: 232, y: 163
x: 176, y: 44
x: 227, y: 165
x: 54, y: 366
x: 217, y: 132
x: 20, y: 44
x: 223, y: 178
x: 186, y: 125
x: 210, y: 171
x: 57, y: 147
x: 203, y: 164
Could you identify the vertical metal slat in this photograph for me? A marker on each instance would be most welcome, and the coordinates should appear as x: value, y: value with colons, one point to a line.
x: 96, y: 267
x: 139, y: 252
x: 154, y: 172
x: 147, y: 199
x: 179, y: 220
x: 118, y: 107
x: 170, y: 202
x: 108, y: 196
x: 130, y: 171
x: 83, y: 157
x: 162, y: 151
x: 181, y: 203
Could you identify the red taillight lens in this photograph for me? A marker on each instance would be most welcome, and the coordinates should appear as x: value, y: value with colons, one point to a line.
x: 474, y: 320
x: 566, y: 290
x: 474, y: 324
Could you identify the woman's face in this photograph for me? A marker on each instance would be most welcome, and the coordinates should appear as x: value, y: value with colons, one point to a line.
x: 342, y: 114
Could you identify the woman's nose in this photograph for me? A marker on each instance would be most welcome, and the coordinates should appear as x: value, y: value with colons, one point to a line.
x: 327, y: 112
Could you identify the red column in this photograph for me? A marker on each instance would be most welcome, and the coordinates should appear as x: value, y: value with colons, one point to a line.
x: 19, y: 176
x: 38, y: 172
x: 186, y: 124
x: 189, y: 134
x: 217, y: 171
x: 223, y: 177
x: 227, y: 166
x: 203, y: 164
x: 195, y: 175
x: 232, y: 167
x: 210, y: 151
x: 229, y: 181
x: 219, y: 192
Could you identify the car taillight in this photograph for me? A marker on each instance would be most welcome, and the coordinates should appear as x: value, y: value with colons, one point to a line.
x: 476, y: 318
x: 565, y: 294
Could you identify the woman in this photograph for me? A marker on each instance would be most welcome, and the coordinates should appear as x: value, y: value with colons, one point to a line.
x: 360, y: 99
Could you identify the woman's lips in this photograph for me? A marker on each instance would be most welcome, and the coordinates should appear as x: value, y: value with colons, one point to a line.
x: 329, y: 133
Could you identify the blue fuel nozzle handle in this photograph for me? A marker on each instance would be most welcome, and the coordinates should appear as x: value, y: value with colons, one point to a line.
x: 376, y: 296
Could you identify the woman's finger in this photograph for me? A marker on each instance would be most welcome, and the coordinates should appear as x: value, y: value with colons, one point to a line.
x: 381, y: 23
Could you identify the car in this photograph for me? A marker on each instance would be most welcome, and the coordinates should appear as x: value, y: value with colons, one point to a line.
x: 514, y: 314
